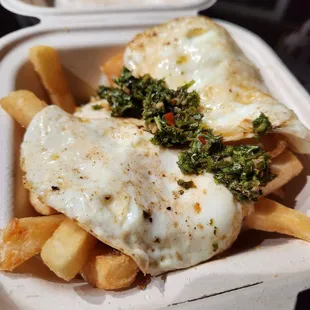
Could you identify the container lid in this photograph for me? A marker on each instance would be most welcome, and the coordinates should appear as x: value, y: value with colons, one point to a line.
x: 112, y: 15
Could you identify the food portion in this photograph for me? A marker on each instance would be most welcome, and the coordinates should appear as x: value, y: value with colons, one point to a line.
x: 67, y: 251
x: 24, y: 238
x: 230, y: 87
x: 40, y: 207
x: 271, y: 216
x: 110, y: 178
x: 162, y: 169
x: 46, y: 63
x: 109, y: 269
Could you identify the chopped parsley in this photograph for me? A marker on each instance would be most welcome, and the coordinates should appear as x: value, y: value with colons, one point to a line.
x: 243, y: 169
x: 214, y: 230
x: 215, y: 246
x: 261, y: 125
x: 186, y: 185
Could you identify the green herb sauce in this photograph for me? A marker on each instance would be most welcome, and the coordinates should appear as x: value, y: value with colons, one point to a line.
x: 243, y: 169
x: 261, y: 125
x: 174, y: 118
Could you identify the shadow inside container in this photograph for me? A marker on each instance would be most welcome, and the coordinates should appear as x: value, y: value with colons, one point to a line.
x: 34, y: 267
x: 295, y: 186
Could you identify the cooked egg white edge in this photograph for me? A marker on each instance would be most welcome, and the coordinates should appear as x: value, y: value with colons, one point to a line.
x: 232, y: 91
x: 107, y: 175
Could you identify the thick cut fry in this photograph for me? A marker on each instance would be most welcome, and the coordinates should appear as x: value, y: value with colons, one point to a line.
x: 22, y: 105
x: 109, y: 269
x: 279, y: 149
x: 66, y: 252
x: 269, y: 215
x: 24, y: 238
x: 112, y: 68
x: 286, y: 166
x: 47, y: 64
x: 39, y: 206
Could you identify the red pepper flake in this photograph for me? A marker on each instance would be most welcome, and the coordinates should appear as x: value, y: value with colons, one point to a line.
x: 202, y: 140
x: 169, y: 118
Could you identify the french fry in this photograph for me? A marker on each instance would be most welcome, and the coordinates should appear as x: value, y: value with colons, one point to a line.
x: 112, y: 68
x: 269, y: 215
x: 109, y: 269
x: 279, y: 149
x: 22, y: 105
x: 47, y: 64
x: 39, y: 206
x: 66, y: 252
x: 286, y: 166
x: 24, y: 238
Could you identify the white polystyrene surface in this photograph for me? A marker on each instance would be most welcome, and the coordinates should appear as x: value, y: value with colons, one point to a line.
x: 124, y: 9
x: 82, y: 51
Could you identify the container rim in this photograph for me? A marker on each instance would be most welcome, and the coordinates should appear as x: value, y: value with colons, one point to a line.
x: 26, y: 9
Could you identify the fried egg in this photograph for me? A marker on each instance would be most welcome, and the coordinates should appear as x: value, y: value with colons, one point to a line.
x: 107, y: 175
x: 231, y: 89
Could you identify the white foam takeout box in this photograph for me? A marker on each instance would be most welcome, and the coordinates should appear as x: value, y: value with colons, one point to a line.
x: 262, y: 271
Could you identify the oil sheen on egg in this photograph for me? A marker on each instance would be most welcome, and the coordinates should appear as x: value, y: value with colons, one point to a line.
x: 106, y: 174
x: 231, y: 89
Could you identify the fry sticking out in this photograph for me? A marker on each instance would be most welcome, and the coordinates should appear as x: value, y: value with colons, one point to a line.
x: 112, y: 68
x: 66, y: 252
x: 24, y: 238
x: 268, y: 215
x: 286, y: 166
x: 47, y: 64
x: 22, y: 105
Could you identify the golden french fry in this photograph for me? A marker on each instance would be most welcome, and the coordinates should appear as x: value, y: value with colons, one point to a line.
x: 269, y: 215
x: 279, y: 193
x: 279, y: 149
x: 286, y: 166
x: 22, y: 105
x: 39, y: 206
x: 24, y: 238
x: 109, y: 269
x: 47, y: 64
x: 112, y: 68
x: 66, y: 252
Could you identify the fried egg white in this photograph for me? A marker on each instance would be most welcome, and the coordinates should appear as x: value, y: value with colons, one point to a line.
x: 106, y: 174
x: 231, y: 89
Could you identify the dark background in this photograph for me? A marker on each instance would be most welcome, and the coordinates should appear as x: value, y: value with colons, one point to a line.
x: 283, y: 24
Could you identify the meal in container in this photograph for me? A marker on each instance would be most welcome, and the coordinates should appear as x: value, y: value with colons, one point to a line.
x: 164, y: 166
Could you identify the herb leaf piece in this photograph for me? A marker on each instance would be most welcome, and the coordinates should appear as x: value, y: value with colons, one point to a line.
x: 261, y: 125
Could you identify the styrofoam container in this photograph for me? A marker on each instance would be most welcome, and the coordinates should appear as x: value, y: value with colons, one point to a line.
x: 265, y: 271
x: 73, y: 7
